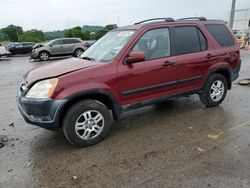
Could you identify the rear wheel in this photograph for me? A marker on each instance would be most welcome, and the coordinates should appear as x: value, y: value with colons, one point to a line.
x: 214, y: 91
x: 78, y: 52
x: 44, y: 56
x: 87, y: 123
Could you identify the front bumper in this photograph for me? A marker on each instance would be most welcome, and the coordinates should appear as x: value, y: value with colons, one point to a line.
x: 44, y: 113
x: 34, y: 54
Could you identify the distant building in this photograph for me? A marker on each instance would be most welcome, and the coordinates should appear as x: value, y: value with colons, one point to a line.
x: 242, y: 20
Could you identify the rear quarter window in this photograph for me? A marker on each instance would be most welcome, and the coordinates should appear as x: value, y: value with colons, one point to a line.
x: 221, y: 34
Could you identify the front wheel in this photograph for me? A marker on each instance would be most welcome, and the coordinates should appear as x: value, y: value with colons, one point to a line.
x: 87, y: 123
x: 214, y: 90
x: 44, y: 56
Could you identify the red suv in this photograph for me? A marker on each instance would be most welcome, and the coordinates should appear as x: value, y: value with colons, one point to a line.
x: 130, y: 67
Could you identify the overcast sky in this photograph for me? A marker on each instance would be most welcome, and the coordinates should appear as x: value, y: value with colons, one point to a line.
x: 49, y: 15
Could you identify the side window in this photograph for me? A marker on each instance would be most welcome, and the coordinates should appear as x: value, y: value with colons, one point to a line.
x: 188, y: 40
x: 221, y: 34
x: 66, y: 41
x: 75, y: 41
x: 154, y: 43
x: 71, y: 41
x: 57, y: 42
x: 19, y: 45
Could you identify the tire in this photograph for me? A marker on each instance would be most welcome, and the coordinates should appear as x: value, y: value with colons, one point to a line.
x: 92, y: 119
x: 78, y: 52
x: 214, y: 91
x: 44, y: 56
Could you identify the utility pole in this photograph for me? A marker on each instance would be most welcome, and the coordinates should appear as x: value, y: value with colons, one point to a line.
x: 231, y: 21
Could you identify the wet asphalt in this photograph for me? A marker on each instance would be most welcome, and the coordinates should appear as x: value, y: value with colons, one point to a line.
x: 178, y: 143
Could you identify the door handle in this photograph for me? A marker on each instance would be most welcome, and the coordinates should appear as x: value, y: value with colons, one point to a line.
x: 210, y: 56
x: 168, y: 64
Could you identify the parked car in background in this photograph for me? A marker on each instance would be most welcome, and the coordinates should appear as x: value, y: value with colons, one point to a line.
x: 4, y: 51
x: 20, y: 47
x: 59, y: 47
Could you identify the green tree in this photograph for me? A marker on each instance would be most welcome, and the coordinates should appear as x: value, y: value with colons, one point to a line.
x: 110, y: 27
x: 73, y: 32
x: 12, y: 32
x: 77, y: 32
x: 32, y: 36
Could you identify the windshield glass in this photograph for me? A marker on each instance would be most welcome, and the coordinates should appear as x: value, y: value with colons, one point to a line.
x: 106, y: 48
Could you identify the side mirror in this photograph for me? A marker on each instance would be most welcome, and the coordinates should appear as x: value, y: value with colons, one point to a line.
x: 135, y: 57
x: 50, y: 45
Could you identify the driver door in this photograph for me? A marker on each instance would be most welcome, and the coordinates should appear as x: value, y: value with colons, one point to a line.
x: 57, y: 47
x: 155, y: 76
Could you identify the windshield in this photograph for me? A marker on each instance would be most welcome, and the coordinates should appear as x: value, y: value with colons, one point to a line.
x: 106, y: 48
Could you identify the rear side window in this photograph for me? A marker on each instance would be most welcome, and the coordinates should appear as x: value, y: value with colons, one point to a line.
x: 189, y: 39
x: 221, y: 34
x: 71, y: 41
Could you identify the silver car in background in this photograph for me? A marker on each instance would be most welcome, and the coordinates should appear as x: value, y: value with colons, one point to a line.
x: 58, y: 47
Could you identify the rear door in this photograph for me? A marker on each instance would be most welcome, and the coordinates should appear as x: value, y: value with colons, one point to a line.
x: 156, y: 76
x: 194, y: 55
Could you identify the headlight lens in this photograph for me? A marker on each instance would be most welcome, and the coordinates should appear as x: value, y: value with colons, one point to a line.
x: 43, y: 89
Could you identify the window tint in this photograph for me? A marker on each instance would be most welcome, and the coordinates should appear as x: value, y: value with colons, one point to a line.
x: 221, y: 34
x: 154, y: 43
x: 188, y: 40
x: 19, y: 45
x: 71, y: 41
x: 57, y: 42
x: 28, y: 44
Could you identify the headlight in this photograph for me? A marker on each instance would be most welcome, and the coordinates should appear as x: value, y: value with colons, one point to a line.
x: 43, y: 89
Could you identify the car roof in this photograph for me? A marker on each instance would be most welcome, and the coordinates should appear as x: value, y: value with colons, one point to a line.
x: 67, y: 38
x: 143, y: 24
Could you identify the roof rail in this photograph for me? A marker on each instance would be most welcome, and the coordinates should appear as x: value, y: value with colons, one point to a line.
x: 194, y: 18
x: 168, y: 19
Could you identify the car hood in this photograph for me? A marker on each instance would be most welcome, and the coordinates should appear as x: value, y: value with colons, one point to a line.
x: 38, y: 46
x: 56, y: 69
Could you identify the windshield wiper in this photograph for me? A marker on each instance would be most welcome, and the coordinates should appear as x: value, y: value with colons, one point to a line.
x: 88, y: 58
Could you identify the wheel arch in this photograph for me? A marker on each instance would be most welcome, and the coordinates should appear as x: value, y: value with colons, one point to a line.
x: 223, y: 71
x: 45, y: 51
x: 100, y: 95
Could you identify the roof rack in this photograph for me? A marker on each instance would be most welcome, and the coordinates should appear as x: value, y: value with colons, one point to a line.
x: 194, y: 18
x: 168, y: 19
